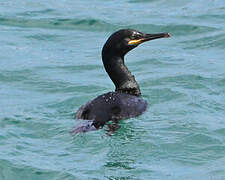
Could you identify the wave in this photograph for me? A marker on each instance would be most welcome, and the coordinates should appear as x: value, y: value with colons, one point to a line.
x: 99, y: 25
x: 15, y: 170
x: 175, y: 29
x: 53, y: 23
x: 33, y: 80
x: 206, y: 42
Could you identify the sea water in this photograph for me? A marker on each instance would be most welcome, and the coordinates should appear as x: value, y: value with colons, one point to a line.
x: 50, y: 64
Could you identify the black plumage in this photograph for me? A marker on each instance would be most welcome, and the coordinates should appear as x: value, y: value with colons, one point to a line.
x: 126, y: 101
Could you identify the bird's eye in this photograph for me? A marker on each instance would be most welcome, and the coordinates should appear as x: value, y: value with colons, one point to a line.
x: 135, y: 36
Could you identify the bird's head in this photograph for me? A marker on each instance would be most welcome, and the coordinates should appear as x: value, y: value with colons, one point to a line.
x: 124, y: 40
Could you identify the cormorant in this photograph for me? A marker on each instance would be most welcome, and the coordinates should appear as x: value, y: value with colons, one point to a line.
x: 126, y: 101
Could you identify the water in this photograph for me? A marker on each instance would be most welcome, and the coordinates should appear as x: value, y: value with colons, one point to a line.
x: 50, y: 64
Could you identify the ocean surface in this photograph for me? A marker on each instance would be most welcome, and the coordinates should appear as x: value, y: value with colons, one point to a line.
x: 50, y: 64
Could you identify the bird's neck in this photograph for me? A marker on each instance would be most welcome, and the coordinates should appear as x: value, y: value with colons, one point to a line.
x: 122, y: 78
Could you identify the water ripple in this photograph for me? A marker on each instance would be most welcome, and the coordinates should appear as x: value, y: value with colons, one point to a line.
x: 99, y: 25
x: 63, y: 24
x: 206, y: 42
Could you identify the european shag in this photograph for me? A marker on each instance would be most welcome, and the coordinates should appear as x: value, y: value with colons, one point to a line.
x: 126, y: 101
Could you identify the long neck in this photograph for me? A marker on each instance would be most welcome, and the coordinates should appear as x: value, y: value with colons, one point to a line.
x: 122, y: 78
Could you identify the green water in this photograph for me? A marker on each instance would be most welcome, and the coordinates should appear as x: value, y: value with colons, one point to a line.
x: 50, y: 64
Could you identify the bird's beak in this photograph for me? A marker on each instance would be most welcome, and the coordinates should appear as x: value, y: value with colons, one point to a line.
x: 148, y: 37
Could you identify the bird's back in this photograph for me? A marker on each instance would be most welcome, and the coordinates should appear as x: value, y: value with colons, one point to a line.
x: 111, y: 106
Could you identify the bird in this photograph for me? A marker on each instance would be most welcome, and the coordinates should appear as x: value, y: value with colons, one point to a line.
x: 126, y: 101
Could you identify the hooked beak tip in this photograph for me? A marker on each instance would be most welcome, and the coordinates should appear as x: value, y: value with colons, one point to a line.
x: 167, y: 35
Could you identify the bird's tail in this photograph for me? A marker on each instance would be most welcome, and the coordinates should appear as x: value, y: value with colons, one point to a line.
x: 84, y: 126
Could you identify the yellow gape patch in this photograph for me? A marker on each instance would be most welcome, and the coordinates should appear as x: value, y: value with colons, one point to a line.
x: 135, y: 41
